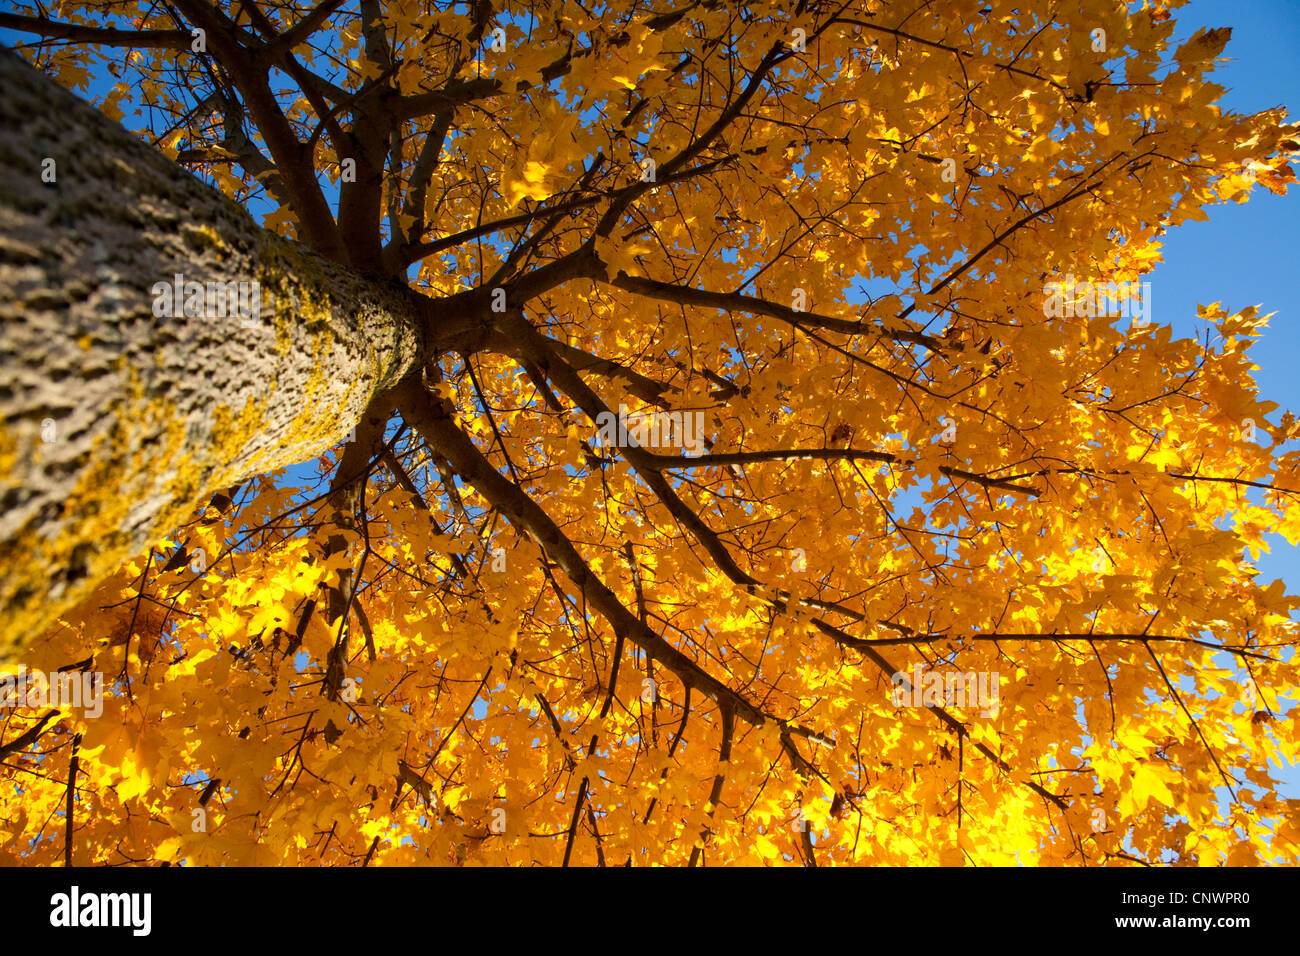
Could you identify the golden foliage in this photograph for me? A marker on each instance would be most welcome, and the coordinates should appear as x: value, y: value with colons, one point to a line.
x: 1066, y: 503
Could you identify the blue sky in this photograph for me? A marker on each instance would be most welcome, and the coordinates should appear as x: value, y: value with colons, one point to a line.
x: 1246, y: 254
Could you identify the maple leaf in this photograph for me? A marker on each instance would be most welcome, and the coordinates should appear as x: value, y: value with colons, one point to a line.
x: 1204, y: 44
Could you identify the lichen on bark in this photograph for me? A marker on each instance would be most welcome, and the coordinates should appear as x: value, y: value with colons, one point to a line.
x: 116, y: 422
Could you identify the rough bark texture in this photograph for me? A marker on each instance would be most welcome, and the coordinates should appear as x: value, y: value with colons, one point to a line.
x: 115, y: 423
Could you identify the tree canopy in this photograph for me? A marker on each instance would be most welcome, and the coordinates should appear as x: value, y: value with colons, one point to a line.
x: 786, y: 460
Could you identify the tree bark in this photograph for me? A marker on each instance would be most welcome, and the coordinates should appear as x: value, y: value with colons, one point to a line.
x: 115, y: 422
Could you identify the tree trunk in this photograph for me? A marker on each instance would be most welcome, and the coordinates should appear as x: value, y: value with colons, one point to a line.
x: 119, y: 412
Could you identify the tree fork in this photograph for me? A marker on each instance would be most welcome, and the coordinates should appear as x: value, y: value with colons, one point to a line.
x: 116, y: 422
